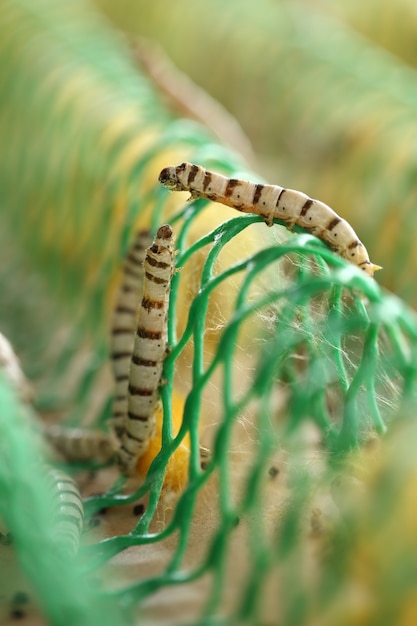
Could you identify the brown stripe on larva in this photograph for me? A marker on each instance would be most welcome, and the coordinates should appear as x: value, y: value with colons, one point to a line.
x: 122, y: 377
x: 231, y: 184
x: 125, y: 309
x: 207, y: 180
x: 143, y: 333
x: 333, y: 223
x: 120, y: 355
x: 156, y: 279
x: 281, y: 193
x: 149, y: 350
x: 138, y: 418
x: 150, y: 303
x: 257, y: 193
x: 155, y: 263
x: 306, y: 206
x: 121, y: 331
x: 137, y: 360
x: 193, y: 171
x: 140, y: 391
x: 354, y: 244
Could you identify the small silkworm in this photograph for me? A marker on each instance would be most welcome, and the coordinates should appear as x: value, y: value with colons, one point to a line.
x: 149, y: 350
x: 124, y: 323
x: 78, y: 444
x: 270, y: 202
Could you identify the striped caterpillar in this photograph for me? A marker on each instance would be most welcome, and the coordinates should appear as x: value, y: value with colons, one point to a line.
x: 270, y: 202
x: 124, y: 324
x: 149, y: 350
x: 78, y: 444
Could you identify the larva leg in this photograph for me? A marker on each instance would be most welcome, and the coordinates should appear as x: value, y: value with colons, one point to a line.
x: 124, y: 324
x: 68, y: 511
x: 149, y: 350
x: 272, y: 202
x: 78, y: 444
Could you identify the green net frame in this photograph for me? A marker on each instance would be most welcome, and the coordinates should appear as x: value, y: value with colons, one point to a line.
x: 340, y: 350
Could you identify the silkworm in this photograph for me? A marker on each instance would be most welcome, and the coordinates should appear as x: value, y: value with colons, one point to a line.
x: 78, y: 444
x: 68, y: 511
x: 272, y: 202
x: 149, y: 351
x: 124, y: 323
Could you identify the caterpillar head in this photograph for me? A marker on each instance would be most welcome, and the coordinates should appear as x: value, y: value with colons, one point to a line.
x: 170, y: 177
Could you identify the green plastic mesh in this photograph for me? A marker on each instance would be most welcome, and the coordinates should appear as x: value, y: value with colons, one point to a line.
x: 280, y: 338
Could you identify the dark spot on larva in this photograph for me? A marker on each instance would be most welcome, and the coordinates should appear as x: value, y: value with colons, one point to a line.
x: 138, y: 418
x: 306, y: 207
x: 138, y: 509
x: 182, y: 167
x: 212, y: 196
x: 207, y: 180
x: 354, y: 244
x: 193, y: 171
x: 257, y: 193
x: 231, y: 184
x: 273, y: 471
x: 333, y: 223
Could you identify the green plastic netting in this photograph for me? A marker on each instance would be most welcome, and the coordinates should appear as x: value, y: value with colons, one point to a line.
x: 287, y: 358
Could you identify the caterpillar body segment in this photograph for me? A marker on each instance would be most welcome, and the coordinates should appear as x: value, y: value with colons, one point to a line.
x: 78, y: 444
x: 124, y: 323
x: 68, y: 511
x: 271, y: 201
x: 149, y: 351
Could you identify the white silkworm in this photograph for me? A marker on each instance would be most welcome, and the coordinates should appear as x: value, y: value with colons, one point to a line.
x: 149, y: 350
x: 270, y: 202
x: 124, y: 324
